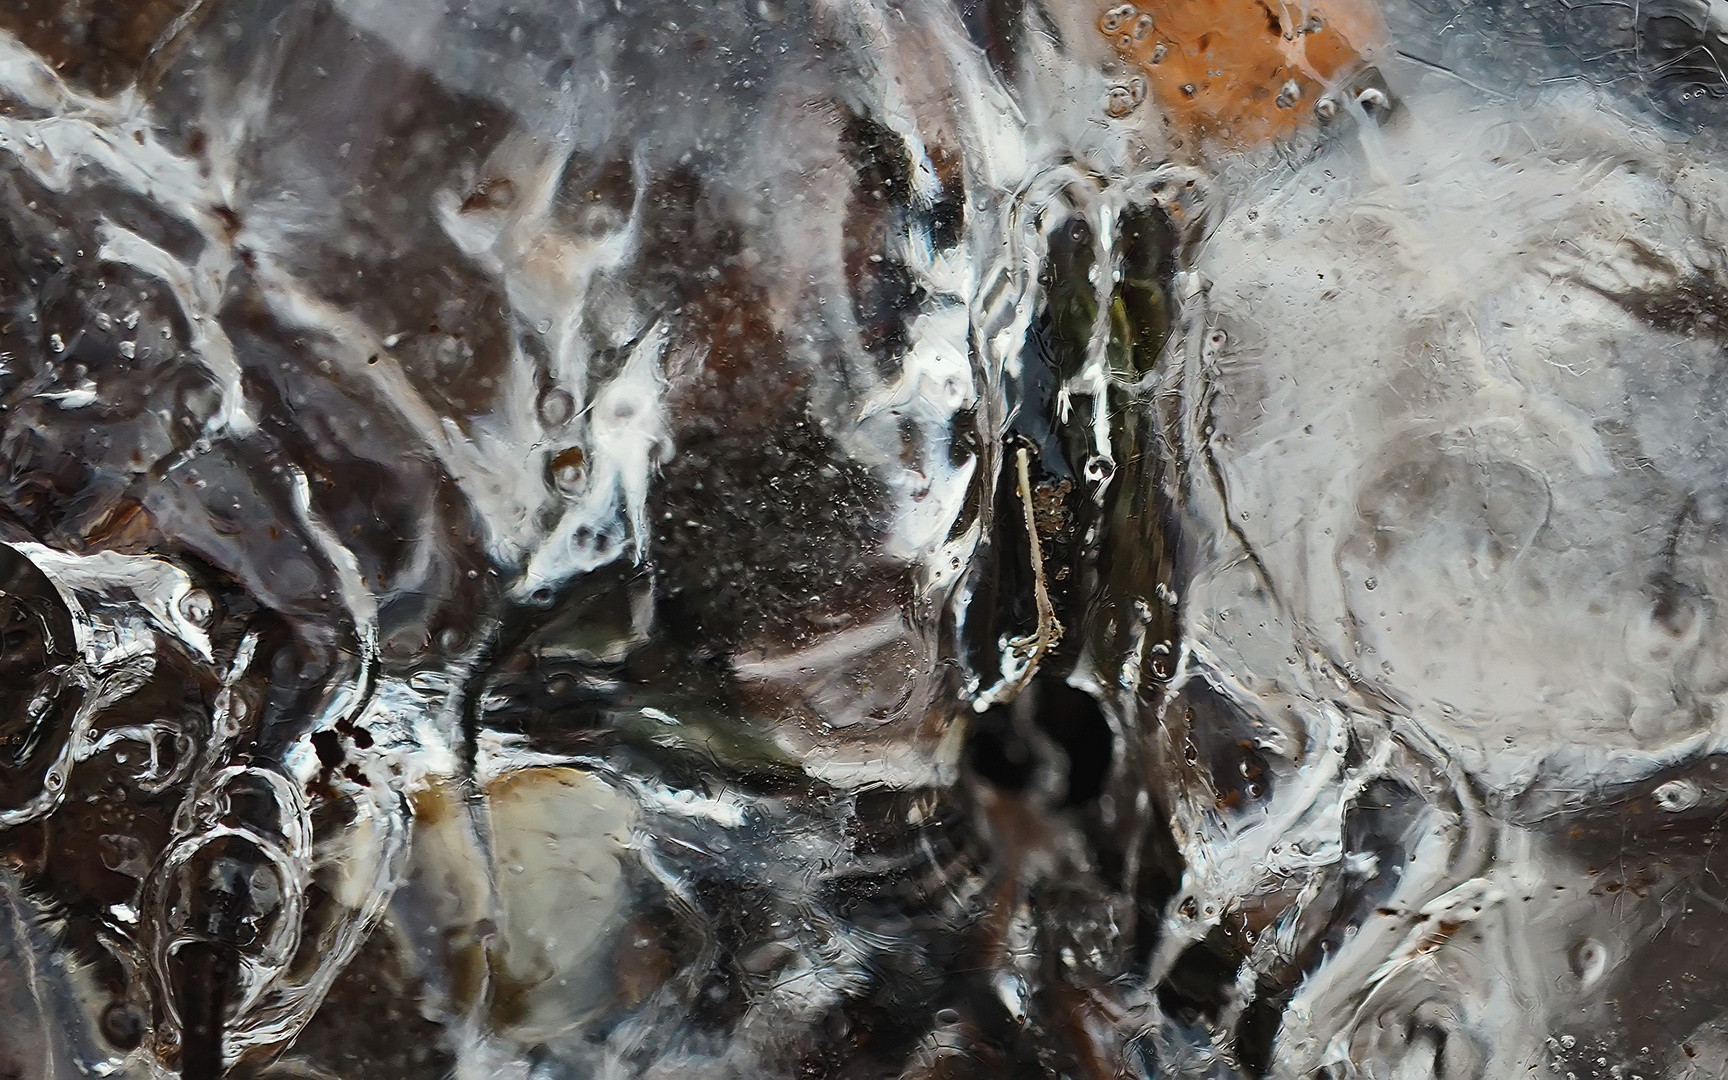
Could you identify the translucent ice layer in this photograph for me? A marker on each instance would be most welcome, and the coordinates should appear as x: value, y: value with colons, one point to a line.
x: 916, y: 540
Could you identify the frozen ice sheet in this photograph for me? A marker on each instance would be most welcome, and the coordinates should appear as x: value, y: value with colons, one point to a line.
x: 862, y: 539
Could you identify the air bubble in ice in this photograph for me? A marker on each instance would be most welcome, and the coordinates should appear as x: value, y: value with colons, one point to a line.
x: 1117, y: 17
x: 1677, y: 795
x: 198, y: 608
x: 1375, y: 102
x: 556, y: 407
x: 1589, y: 961
x: 568, y: 472
x: 1124, y: 99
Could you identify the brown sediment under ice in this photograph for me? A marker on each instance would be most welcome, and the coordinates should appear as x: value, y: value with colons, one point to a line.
x: 1238, y: 72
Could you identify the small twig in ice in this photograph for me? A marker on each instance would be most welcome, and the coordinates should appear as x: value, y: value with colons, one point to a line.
x: 1024, y: 654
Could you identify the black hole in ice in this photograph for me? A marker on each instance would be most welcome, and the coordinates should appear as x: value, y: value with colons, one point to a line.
x: 885, y: 292
x: 122, y: 1026
x: 1159, y: 879
x: 1148, y: 267
x: 1002, y: 755
x: 1033, y: 409
x: 1070, y: 303
x: 1376, y: 826
x: 328, y: 745
x: 1199, y: 983
x: 997, y: 753
x: 1259, y: 1028
x: 203, y: 983
x: 1073, y: 719
x: 1225, y: 744
x: 880, y: 157
x: 963, y: 440
x: 947, y: 219
x: 36, y: 641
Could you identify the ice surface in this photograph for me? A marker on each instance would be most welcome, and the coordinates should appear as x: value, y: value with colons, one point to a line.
x: 862, y: 539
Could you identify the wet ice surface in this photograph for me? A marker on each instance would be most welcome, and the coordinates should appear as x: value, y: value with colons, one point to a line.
x: 544, y: 540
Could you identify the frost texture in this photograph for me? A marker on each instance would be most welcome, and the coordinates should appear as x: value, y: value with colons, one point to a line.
x: 904, y: 540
